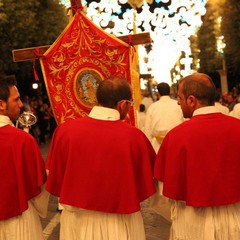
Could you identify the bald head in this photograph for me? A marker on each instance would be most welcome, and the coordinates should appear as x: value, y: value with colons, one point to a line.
x: 200, y: 86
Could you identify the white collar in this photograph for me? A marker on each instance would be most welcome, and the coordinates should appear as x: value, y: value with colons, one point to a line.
x: 103, y: 113
x: 164, y: 98
x: 205, y: 110
x: 5, y: 120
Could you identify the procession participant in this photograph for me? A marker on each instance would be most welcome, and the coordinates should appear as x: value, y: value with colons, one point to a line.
x: 22, y: 172
x: 141, y: 117
x: 198, y: 166
x: 162, y: 116
x: 223, y: 109
x: 236, y: 109
x: 102, y: 168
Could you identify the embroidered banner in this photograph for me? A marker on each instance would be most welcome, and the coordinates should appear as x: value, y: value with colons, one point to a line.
x: 81, y: 57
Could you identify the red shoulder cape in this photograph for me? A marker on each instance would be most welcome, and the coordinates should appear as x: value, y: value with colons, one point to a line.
x: 198, y: 161
x: 22, y: 171
x: 100, y: 165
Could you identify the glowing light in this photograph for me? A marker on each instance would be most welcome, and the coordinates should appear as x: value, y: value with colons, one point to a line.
x: 170, y: 26
x: 67, y: 3
x: 35, y: 86
x: 220, y: 40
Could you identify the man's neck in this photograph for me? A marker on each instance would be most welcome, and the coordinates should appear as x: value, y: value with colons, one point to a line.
x: 5, y: 120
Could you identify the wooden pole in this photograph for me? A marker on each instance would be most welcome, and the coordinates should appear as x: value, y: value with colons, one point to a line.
x: 25, y: 54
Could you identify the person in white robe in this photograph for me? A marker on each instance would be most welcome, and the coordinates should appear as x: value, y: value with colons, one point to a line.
x: 162, y: 116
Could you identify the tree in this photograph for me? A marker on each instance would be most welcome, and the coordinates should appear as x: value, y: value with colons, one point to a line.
x: 208, y: 36
x: 231, y: 32
x: 52, y: 19
x: 26, y: 24
x: 222, y: 19
x: 16, y: 29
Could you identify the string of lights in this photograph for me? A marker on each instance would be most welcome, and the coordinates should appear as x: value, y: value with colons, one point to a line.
x: 169, y: 22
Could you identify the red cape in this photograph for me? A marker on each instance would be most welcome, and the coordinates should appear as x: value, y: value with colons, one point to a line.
x: 100, y: 165
x: 22, y: 171
x: 198, y: 161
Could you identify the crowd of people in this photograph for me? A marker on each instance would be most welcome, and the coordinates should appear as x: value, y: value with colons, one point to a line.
x: 101, y: 168
x: 43, y: 129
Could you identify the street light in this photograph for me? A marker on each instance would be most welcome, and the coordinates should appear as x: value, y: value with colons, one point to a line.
x: 35, y: 86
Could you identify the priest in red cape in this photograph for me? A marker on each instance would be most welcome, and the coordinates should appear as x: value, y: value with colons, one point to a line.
x: 102, y: 169
x: 198, y: 166
x: 22, y: 172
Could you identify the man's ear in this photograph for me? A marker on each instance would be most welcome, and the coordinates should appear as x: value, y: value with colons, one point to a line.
x: 2, y: 105
x: 120, y: 106
x: 191, y: 100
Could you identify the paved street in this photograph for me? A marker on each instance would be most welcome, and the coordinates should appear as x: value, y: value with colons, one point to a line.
x: 156, y: 227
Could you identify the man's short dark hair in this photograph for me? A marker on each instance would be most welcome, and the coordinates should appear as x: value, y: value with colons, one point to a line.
x: 112, y: 90
x: 142, y: 107
x: 5, y: 83
x: 163, y: 89
x: 217, y: 96
x: 201, y: 86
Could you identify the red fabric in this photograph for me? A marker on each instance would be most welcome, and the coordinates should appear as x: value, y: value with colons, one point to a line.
x: 109, y: 169
x: 198, y: 161
x: 77, y: 61
x: 22, y: 171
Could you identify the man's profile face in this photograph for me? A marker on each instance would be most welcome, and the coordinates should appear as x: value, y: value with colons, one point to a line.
x: 14, y: 104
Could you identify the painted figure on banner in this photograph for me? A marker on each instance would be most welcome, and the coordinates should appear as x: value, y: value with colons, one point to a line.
x: 87, y: 82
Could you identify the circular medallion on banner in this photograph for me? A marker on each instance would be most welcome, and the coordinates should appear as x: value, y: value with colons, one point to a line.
x: 86, y: 83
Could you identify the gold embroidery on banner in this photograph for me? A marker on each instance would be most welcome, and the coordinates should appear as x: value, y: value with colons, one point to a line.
x: 83, y: 49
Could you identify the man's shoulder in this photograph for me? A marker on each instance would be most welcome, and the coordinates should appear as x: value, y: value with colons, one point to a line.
x: 16, y: 134
x: 237, y: 106
x: 164, y: 102
x: 154, y: 105
x: 172, y: 101
x: 71, y: 122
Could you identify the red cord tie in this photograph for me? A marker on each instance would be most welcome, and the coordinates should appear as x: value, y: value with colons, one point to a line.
x: 75, y: 6
x: 37, y: 56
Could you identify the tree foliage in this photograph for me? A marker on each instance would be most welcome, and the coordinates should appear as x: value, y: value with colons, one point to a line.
x: 231, y: 32
x: 25, y: 24
x: 205, y: 44
x: 208, y: 36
